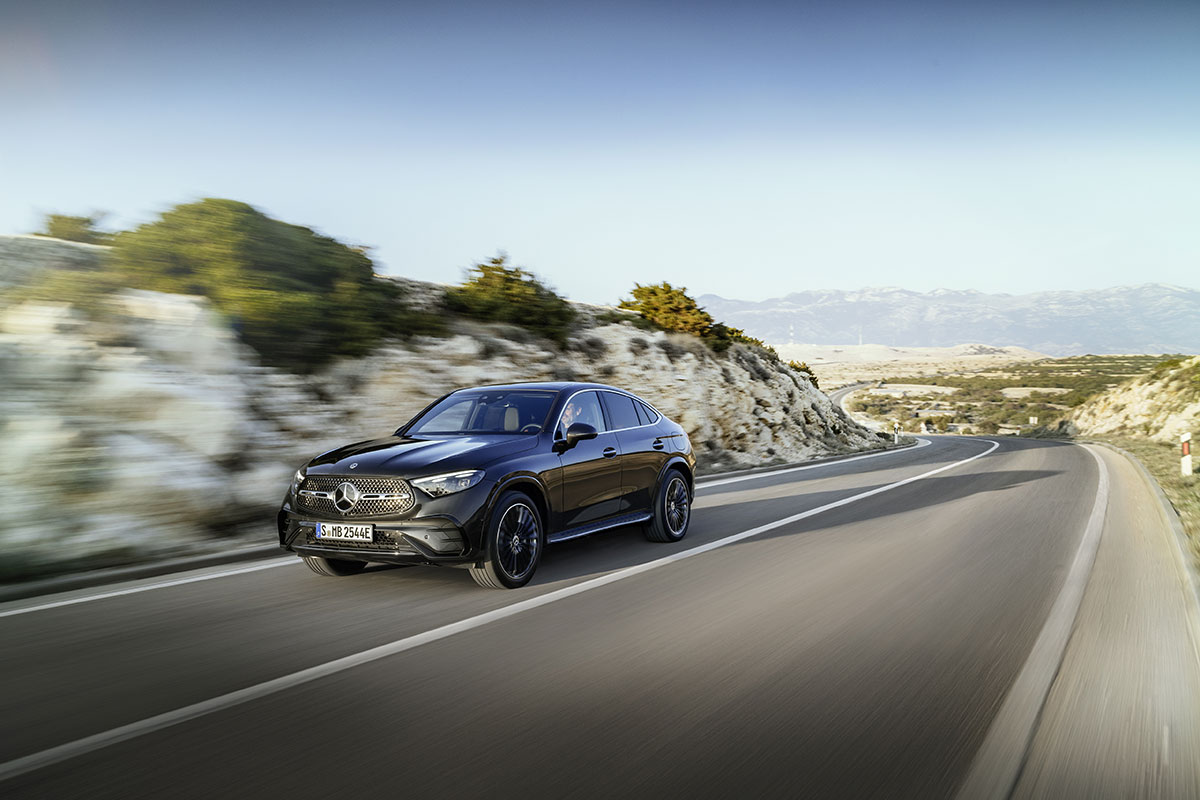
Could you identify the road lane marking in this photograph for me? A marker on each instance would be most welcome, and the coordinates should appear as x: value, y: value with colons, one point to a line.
x: 997, y: 765
x: 283, y: 562
x: 88, y: 744
x: 702, y: 484
x: 136, y: 589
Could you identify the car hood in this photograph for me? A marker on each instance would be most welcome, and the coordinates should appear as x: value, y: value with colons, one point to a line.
x: 396, y: 455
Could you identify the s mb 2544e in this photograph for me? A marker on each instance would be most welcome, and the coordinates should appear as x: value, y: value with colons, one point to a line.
x: 484, y: 478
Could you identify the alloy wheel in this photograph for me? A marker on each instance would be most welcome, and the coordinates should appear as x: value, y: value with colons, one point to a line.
x: 518, y: 539
x: 678, y: 506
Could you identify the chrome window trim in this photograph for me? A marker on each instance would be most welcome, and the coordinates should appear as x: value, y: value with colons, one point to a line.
x: 633, y: 397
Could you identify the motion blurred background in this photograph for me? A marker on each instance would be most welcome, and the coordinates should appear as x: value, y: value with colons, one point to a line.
x: 266, y: 228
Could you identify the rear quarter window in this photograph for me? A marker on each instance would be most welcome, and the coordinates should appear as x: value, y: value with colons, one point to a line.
x: 645, y: 413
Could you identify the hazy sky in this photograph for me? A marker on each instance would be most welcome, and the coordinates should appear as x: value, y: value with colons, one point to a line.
x: 745, y: 149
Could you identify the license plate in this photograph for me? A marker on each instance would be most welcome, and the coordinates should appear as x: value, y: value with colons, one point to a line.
x: 345, y: 533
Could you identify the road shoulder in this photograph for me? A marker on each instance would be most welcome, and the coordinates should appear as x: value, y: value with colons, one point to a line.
x: 1123, y: 715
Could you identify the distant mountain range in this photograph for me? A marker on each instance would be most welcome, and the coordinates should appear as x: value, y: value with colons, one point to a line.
x: 1150, y: 318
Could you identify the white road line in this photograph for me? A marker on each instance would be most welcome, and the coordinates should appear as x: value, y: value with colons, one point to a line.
x: 997, y: 765
x: 702, y: 484
x: 283, y: 562
x: 63, y: 752
x: 135, y: 589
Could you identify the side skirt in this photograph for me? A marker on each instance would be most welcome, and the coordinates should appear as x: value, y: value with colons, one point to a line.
x: 603, y: 525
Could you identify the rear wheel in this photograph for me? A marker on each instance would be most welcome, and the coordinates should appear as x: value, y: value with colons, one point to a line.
x: 513, y: 544
x: 672, y: 509
x: 334, y: 566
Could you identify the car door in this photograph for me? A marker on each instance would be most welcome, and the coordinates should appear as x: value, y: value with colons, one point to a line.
x: 591, y: 470
x: 642, y: 455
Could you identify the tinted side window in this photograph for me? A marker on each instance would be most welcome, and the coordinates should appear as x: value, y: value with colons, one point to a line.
x: 621, y: 411
x: 646, y: 413
x: 583, y: 407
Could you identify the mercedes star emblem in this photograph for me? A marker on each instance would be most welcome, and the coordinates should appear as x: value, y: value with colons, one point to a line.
x: 345, y: 497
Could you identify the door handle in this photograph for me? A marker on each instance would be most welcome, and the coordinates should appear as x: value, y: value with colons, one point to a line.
x: 658, y: 444
x: 609, y: 452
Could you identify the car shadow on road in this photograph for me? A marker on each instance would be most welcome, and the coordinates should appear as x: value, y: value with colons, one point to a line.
x: 627, y: 547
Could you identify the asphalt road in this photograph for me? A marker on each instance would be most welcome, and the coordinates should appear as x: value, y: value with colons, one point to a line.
x: 913, y: 624
x: 838, y: 398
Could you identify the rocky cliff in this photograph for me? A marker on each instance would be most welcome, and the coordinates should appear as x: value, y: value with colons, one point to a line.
x: 23, y: 258
x: 150, y: 429
x: 1159, y: 406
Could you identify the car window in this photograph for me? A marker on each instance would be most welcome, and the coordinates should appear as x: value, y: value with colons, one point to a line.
x: 622, y: 412
x: 450, y: 416
x: 646, y: 413
x: 504, y: 411
x: 582, y: 407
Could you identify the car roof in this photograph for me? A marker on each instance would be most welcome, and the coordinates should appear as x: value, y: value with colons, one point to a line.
x: 556, y: 386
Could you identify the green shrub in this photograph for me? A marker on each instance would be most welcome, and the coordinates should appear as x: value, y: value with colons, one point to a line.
x: 88, y: 292
x: 496, y: 292
x: 75, y: 229
x: 295, y: 296
x: 802, y: 366
x: 1163, y: 367
x: 670, y: 308
x: 720, y: 336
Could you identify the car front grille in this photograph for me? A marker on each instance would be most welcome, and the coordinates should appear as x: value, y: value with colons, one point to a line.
x: 320, y: 494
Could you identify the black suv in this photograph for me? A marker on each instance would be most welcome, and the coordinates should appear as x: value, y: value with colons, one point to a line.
x: 485, y: 477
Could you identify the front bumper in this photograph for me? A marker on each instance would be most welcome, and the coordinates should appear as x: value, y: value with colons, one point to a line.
x: 430, y: 541
x: 445, y: 530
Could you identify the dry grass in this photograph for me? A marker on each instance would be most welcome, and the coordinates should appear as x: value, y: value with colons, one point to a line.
x: 1021, y: 392
x: 904, y: 389
x: 1162, y: 461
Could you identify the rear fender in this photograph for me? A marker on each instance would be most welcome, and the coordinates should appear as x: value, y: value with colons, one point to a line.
x: 679, y: 463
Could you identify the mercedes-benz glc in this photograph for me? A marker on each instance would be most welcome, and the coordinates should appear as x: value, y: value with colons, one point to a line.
x: 485, y: 477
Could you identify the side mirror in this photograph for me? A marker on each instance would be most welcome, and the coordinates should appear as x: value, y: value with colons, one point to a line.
x: 575, y: 434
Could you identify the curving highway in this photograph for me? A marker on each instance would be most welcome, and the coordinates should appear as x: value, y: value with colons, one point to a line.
x: 838, y: 398
x: 966, y: 618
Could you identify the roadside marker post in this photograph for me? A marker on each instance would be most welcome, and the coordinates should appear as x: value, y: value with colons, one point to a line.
x: 895, y: 433
x: 1185, y: 454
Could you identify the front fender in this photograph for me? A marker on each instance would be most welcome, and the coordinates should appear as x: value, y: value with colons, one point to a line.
x: 532, y: 484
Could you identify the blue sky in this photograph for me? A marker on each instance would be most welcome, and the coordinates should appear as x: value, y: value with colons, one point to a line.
x: 747, y: 149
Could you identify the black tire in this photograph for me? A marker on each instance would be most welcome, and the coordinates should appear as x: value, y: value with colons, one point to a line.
x: 335, y: 567
x: 513, y: 544
x: 672, y: 509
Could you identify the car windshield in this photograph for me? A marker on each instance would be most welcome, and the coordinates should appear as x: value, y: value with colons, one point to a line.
x: 506, y: 411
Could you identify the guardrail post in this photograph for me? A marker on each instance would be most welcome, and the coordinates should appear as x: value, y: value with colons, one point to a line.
x: 1185, y: 454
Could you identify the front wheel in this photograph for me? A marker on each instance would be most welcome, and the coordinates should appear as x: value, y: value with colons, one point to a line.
x: 672, y: 510
x: 334, y: 566
x: 513, y: 544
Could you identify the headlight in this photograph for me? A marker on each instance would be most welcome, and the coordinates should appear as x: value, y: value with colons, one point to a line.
x: 439, y: 485
x: 297, y: 479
